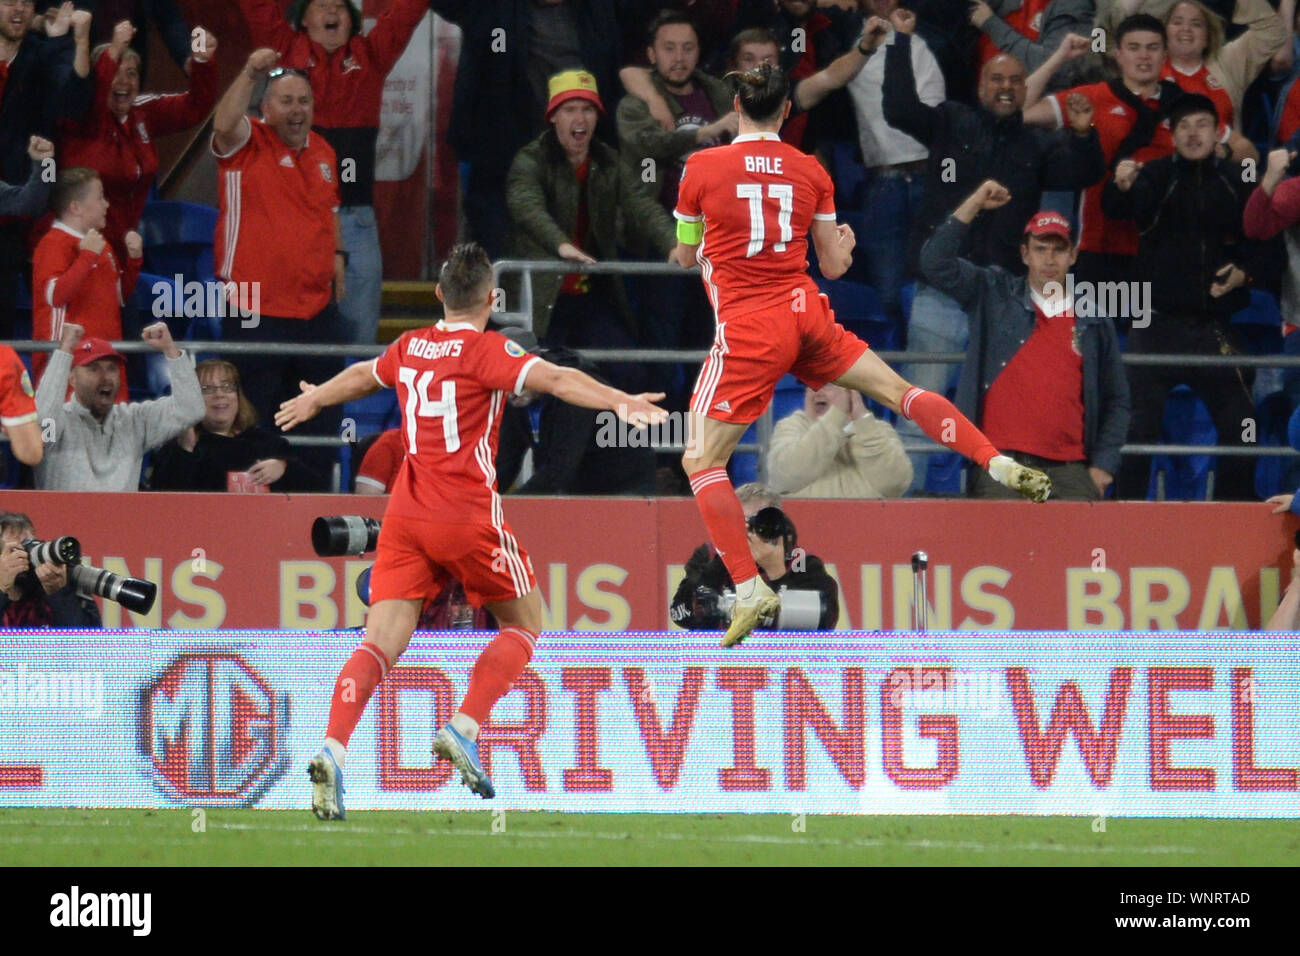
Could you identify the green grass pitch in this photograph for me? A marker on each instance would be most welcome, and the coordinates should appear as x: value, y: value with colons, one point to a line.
x: 266, y: 837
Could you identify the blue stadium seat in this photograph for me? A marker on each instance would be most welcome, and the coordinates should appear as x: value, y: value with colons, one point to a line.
x: 906, y: 295
x: 178, y: 238
x: 375, y: 413
x: 1272, y: 415
x: 1186, y: 423
x: 1260, y: 324
x: 743, y: 467
x: 788, y: 397
x: 859, y: 309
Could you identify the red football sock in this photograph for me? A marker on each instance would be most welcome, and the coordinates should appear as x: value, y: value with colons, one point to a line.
x: 496, y: 671
x: 357, y: 681
x: 940, y: 419
x: 725, y: 519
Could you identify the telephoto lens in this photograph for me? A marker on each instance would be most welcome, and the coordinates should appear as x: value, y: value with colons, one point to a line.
x: 132, y: 593
x: 340, y: 535
x: 65, y: 550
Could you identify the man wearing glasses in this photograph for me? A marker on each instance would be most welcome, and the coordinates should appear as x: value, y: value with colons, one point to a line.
x: 278, y: 245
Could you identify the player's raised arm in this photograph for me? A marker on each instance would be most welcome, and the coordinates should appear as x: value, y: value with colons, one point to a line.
x: 355, y: 381
x: 834, y: 245
x: 579, y: 388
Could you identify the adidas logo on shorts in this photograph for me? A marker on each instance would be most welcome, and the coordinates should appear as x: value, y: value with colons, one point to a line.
x: 723, y: 406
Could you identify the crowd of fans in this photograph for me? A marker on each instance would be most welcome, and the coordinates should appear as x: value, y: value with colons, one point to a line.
x: 985, y: 154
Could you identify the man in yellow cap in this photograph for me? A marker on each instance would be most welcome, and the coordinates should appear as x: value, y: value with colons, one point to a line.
x: 567, y: 193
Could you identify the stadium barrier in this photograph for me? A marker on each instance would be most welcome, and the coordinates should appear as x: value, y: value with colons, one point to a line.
x: 611, y: 564
x: 1097, y: 725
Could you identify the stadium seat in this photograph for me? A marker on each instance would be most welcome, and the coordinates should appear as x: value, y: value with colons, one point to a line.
x: 906, y: 295
x: 1273, y: 416
x: 1260, y: 324
x: 1186, y: 423
x: 178, y: 239
x: 788, y: 398
x: 859, y: 309
x: 375, y: 413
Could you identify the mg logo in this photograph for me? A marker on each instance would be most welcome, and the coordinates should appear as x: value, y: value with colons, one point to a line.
x: 214, y: 730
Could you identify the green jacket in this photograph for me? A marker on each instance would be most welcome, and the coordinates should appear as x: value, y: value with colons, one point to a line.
x: 542, y: 196
x: 641, y: 137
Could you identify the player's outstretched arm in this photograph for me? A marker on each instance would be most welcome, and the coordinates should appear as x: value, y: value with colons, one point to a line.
x: 26, y: 442
x: 355, y: 381
x: 579, y: 388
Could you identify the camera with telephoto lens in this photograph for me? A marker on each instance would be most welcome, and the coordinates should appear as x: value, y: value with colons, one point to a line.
x: 799, y: 611
x: 340, y: 535
x: 133, y: 594
x: 64, y: 551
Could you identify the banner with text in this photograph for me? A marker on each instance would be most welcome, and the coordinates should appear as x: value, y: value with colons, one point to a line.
x: 245, y: 561
x: 1036, y: 723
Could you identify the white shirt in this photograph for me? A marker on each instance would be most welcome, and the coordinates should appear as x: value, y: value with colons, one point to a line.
x: 882, y: 145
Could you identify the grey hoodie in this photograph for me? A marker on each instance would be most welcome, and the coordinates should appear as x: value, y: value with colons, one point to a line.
x: 87, y: 456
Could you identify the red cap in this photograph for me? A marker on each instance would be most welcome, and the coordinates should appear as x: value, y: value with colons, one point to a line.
x: 92, y: 350
x: 1048, y: 223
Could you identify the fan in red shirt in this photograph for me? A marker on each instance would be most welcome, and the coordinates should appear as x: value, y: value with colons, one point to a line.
x: 18, y: 409
x: 117, y: 137
x: 444, y: 518
x: 744, y: 212
x: 76, y: 278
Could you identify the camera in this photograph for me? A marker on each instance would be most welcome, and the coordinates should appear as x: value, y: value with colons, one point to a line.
x: 799, y: 611
x: 132, y: 593
x: 64, y: 551
x: 340, y: 535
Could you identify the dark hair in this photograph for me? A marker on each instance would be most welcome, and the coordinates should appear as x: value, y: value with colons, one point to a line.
x: 762, y: 91
x: 668, y: 18
x: 70, y: 187
x: 299, y: 10
x: 746, y: 37
x: 1139, y: 23
x: 16, y: 521
x: 1190, y: 104
x: 464, y: 275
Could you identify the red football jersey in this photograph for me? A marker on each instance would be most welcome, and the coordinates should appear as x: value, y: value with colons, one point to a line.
x: 17, y: 397
x: 1205, y: 83
x: 757, y: 198
x: 1113, y: 119
x: 451, y: 383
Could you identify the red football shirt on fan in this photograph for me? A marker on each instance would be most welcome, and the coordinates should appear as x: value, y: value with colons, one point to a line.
x: 1027, y: 21
x: 1035, y: 405
x: 1113, y: 119
x: 383, y: 461
x: 17, y: 397
x: 1202, y: 82
x: 277, y: 220
x: 71, y: 284
x: 757, y: 198
x: 451, y: 383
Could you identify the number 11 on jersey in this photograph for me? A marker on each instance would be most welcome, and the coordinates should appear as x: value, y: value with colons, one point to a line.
x: 783, y: 193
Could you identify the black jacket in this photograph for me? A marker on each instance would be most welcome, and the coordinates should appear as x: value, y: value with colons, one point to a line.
x: 41, y: 90
x: 68, y: 608
x: 493, y: 113
x: 571, y: 455
x: 205, y: 468
x: 706, y: 570
x: 1189, y: 219
x: 969, y: 145
x: 1002, y: 317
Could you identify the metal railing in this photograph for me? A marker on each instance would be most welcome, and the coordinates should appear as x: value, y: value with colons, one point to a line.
x: 523, y: 318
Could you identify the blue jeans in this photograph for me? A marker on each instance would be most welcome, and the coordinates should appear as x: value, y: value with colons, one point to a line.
x: 937, y: 324
x: 363, y: 281
x: 890, y: 206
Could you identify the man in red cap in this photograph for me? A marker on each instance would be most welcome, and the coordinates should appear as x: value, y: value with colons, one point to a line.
x: 1043, y: 371
x: 567, y: 193
x: 95, y: 443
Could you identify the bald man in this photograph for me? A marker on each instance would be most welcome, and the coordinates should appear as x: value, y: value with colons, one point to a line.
x: 967, y: 145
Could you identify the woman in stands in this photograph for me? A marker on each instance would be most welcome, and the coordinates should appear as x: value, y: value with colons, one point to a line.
x: 227, y: 451
x: 117, y: 137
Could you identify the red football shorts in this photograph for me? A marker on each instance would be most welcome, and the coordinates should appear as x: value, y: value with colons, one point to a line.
x: 415, y: 559
x: 753, y: 350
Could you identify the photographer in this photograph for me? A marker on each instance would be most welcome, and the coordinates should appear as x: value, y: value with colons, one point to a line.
x: 699, y: 605
x: 40, y: 596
